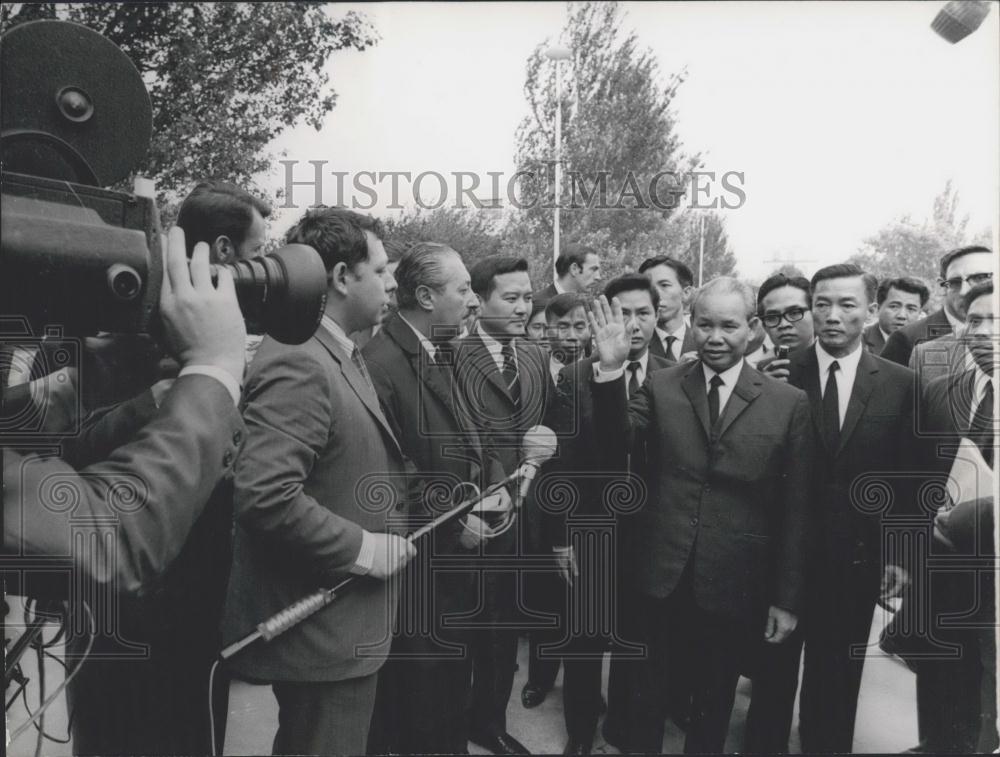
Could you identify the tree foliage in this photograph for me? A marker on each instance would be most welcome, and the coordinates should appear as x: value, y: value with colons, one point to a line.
x: 224, y: 79
x: 909, y: 247
x: 473, y: 234
x: 617, y: 121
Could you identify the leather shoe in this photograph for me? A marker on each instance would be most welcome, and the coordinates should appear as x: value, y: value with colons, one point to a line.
x: 532, y: 696
x: 613, y: 737
x: 502, y: 743
x: 576, y: 747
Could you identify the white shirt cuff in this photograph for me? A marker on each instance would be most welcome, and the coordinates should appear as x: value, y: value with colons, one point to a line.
x: 220, y: 374
x: 366, y: 556
x: 603, y: 377
x: 562, y: 550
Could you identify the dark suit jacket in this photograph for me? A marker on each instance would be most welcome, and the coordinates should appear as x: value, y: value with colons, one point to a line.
x: 656, y: 346
x: 876, y: 449
x: 320, y: 464
x: 900, y: 343
x: 873, y: 339
x: 945, y: 409
x: 170, y: 463
x: 491, y: 412
x: 581, y: 454
x: 741, y: 490
x: 544, y: 295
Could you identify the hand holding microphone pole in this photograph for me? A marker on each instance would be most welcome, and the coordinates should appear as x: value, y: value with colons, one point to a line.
x: 539, y: 445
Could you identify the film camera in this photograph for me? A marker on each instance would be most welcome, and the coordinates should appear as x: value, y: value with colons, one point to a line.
x: 75, y: 118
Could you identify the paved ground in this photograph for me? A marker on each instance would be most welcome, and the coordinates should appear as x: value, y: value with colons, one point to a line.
x: 886, y: 714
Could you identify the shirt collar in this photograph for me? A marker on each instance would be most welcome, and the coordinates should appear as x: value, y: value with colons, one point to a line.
x: 427, y: 343
x: 846, y: 363
x: 980, y: 377
x: 334, y: 329
x: 885, y: 337
x: 643, y: 362
x: 560, y: 289
x: 729, y: 376
x: 954, y: 322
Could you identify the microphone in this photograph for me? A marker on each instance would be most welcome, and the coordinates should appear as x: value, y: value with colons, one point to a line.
x: 538, y: 446
x: 959, y: 18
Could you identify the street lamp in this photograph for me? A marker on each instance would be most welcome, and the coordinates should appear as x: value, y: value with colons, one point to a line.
x: 557, y: 54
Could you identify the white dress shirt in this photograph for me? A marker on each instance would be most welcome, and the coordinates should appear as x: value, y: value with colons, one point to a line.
x: 680, y: 332
x: 845, y: 376
x: 978, y: 390
x: 495, y: 348
x: 427, y: 343
x: 602, y: 377
x: 729, y: 378
x: 554, y: 368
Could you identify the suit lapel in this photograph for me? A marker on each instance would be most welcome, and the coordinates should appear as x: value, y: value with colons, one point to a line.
x: 356, y: 381
x: 693, y: 384
x: 747, y: 389
x: 864, y: 384
x: 432, y: 375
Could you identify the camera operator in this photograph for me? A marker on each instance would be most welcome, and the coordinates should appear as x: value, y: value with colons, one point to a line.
x: 156, y: 703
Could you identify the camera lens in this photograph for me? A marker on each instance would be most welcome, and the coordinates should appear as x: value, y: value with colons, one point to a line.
x: 282, y: 294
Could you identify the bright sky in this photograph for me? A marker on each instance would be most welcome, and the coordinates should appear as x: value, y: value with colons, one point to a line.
x: 841, y: 115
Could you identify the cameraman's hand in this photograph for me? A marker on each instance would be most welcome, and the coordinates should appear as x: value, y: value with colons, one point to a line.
x: 391, y: 555
x: 778, y: 369
x: 202, y: 323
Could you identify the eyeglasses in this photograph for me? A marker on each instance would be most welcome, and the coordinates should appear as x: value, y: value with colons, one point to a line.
x: 792, y: 315
x: 955, y: 283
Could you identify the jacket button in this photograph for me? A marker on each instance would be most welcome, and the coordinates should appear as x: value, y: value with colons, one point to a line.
x: 227, y: 459
x: 237, y: 437
x: 694, y: 521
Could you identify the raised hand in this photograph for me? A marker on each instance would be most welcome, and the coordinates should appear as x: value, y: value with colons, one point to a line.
x: 608, y: 328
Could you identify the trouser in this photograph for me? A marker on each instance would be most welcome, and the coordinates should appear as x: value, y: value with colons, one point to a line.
x: 324, y: 717
x: 493, y: 645
x: 716, y: 645
x: 836, y: 636
x: 772, y: 702
x: 582, y: 688
x: 545, y: 593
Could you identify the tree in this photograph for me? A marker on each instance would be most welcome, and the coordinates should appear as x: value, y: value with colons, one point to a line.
x: 471, y: 233
x: 224, y: 79
x: 907, y: 247
x: 719, y: 259
x: 618, y: 133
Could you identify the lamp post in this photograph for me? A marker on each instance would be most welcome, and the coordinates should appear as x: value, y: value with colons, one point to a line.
x: 557, y: 54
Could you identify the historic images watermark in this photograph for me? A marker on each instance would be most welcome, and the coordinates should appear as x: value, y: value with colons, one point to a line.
x: 315, y: 183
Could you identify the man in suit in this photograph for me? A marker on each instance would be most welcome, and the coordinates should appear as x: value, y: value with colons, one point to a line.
x: 862, y: 418
x: 581, y: 455
x: 504, y: 383
x: 721, y: 541
x: 961, y: 269
x: 952, y: 712
x: 311, y: 504
x: 900, y: 301
x: 423, y: 688
x: 578, y: 270
x: 394, y: 249
x: 675, y: 283
x: 783, y: 308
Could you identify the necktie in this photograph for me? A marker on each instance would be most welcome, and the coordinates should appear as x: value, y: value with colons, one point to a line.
x: 510, y: 371
x: 981, y: 430
x: 359, y: 363
x: 713, y: 400
x: 668, y: 347
x: 633, y: 379
x: 831, y: 409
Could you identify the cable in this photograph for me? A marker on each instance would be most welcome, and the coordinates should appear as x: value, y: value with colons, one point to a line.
x: 211, y: 705
x: 48, y: 702
x: 40, y: 725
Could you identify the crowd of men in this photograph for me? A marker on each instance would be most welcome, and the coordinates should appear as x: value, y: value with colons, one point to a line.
x: 741, y: 476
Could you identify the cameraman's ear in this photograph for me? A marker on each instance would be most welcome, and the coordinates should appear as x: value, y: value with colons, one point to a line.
x: 338, y: 278
x: 223, y: 250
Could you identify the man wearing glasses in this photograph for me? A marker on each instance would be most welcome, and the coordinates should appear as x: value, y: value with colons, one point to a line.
x: 783, y: 306
x: 961, y: 270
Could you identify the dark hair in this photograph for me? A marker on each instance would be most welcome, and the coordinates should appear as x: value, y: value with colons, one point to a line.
x: 337, y: 234
x: 684, y: 275
x: 421, y: 265
x: 979, y: 290
x: 563, y: 303
x: 632, y: 282
x: 778, y: 281
x: 217, y: 208
x: 903, y: 284
x: 484, y: 272
x: 846, y: 271
x: 570, y: 254
x: 953, y: 255
x: 538, y: 306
